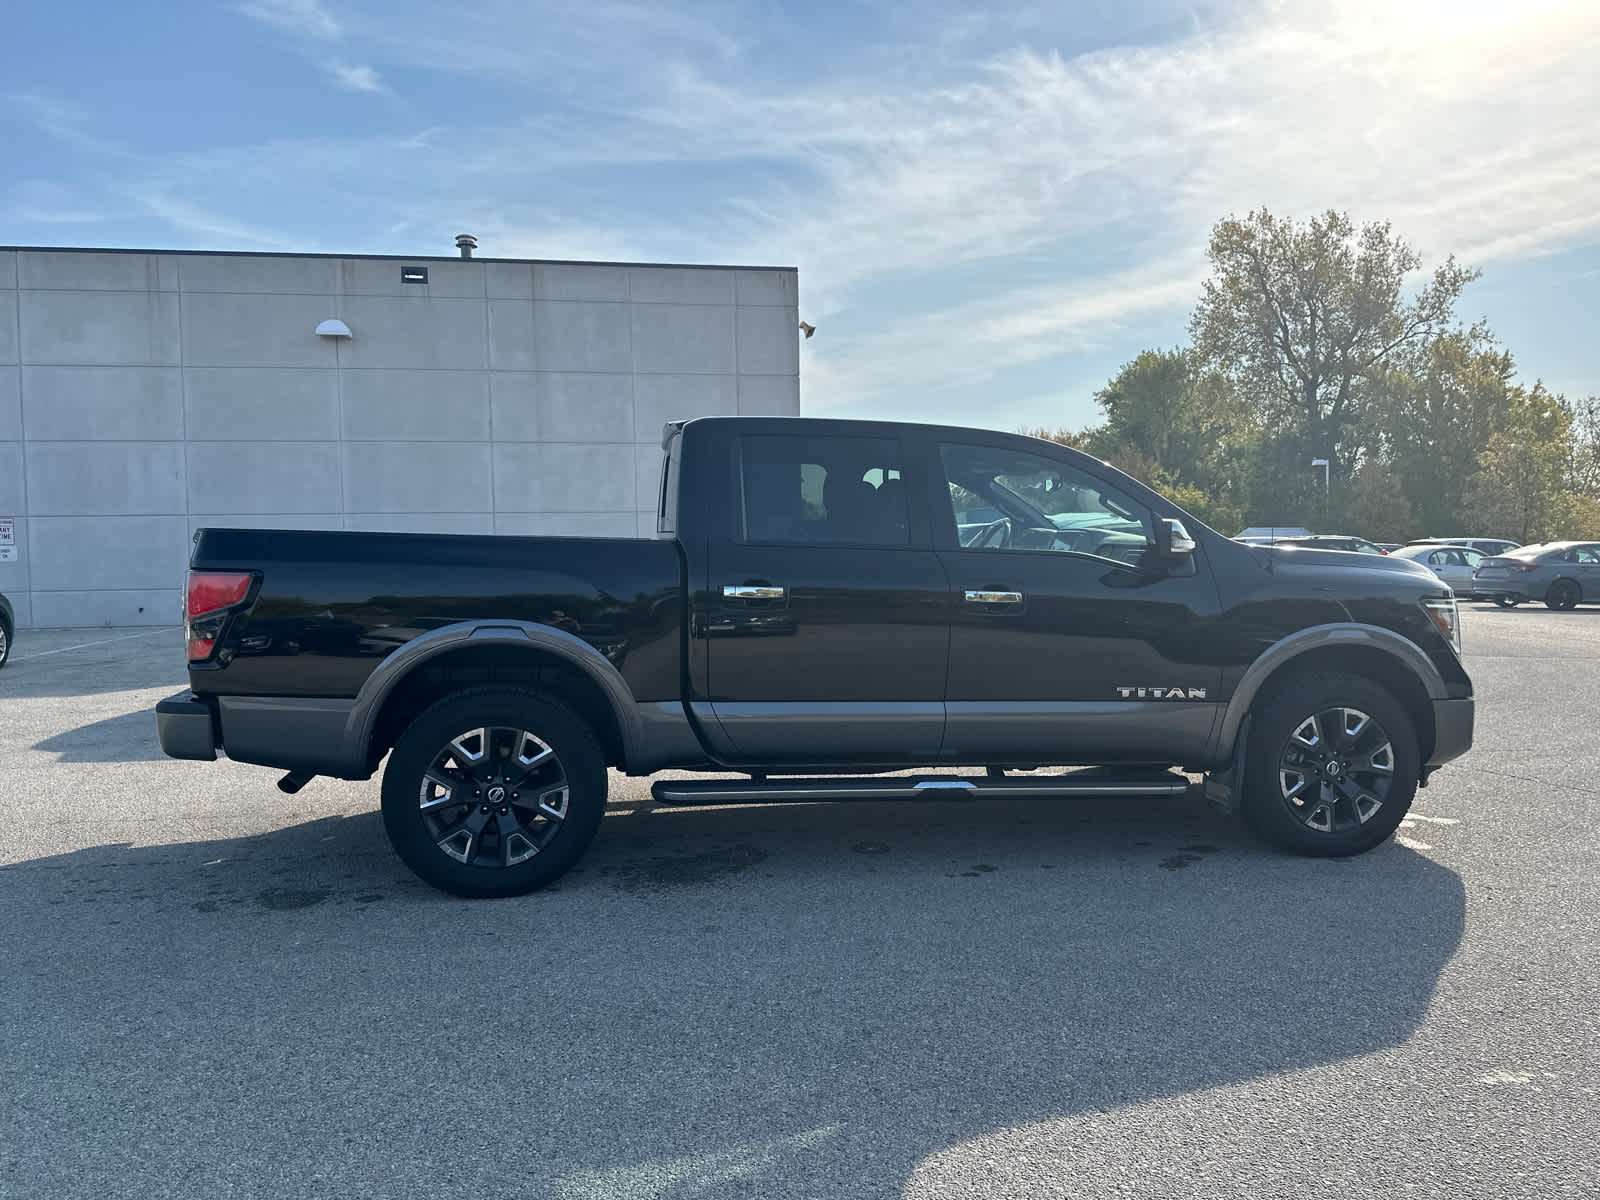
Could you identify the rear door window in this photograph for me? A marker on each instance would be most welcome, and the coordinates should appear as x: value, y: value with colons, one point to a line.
x: 820, y: 490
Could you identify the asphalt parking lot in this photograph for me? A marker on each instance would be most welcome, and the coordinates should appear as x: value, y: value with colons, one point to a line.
x: 211, y: 989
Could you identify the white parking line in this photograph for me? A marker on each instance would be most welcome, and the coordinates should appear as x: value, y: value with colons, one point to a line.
x: 22, y: 658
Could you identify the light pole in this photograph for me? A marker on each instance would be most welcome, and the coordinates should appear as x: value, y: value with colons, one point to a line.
x: 1327, y: 498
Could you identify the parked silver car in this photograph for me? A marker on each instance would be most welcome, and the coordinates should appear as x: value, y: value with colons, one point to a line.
x: 1455, y: 565
x: 1562, y: 574
x: 1481, y: 545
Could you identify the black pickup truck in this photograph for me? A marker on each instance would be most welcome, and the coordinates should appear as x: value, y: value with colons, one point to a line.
x: 827, y: 605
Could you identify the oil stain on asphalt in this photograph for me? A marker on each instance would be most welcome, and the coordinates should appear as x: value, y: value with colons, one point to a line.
x: 685, y: 870
x: 289, y: 899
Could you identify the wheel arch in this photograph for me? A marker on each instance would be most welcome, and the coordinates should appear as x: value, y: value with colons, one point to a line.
x: 1381, y: 655
x: 450, y: 659
x: 1560, y: 579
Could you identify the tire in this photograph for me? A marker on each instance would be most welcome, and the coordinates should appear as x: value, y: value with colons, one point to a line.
x: 1507, y: 601
x: 5, y: 643
x: 466, y: 841
x: 1562, y: 596
x: 1329, y: 812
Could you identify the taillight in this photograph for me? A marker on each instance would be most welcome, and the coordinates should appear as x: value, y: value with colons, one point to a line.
x: 206, y: 602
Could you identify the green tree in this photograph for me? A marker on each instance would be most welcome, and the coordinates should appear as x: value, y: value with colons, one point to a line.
x: 1437, y: 408
x: 1519, y: 490
x: 1581, y: 519
x: 1376, y: 507
x: 1583, y: 469
x: 1192, y: 423
x: 1220, y: 512
x: 1074, y: 439
x: 1303, y: 316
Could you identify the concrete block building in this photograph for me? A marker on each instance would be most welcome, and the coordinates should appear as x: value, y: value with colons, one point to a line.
x: 144, y: 394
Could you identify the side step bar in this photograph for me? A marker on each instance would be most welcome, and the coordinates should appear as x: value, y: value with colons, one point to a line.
x: 803, y: 791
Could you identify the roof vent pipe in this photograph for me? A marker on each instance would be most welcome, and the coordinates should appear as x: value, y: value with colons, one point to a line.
x: 466, y: 243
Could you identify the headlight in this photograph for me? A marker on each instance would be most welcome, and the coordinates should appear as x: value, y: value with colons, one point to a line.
x: 1442, y: 612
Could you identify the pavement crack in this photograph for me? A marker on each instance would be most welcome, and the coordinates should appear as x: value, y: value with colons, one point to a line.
x: 1568, y: 787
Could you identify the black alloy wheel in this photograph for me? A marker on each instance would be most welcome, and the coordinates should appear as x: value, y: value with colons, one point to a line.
x: 1335, y: 770
x: 1562, y: 596
x: 494, y: 792
x: 1333, y: 765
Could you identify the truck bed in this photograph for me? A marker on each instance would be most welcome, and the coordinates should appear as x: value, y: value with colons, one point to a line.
x: 332, y: 605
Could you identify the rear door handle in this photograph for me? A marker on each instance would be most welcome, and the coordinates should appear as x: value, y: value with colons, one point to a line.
x: 752, y: 591
x: 986, y: 596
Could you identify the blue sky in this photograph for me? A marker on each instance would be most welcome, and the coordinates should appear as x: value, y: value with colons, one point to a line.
x: 991, y: 210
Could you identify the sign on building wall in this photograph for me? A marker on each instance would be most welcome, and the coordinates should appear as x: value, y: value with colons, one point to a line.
x: 8, y: 539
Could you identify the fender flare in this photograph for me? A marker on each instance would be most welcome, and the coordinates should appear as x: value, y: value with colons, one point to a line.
x: 1316, y: 637
x: 369, y: 702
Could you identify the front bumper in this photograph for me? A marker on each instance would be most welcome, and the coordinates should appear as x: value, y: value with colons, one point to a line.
x: 1452, y: 730
x: 187, y: 727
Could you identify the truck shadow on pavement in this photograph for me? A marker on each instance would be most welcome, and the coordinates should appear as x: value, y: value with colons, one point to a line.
x: 92, y: 663
x: 129, y: 737
x: 794, y: 1001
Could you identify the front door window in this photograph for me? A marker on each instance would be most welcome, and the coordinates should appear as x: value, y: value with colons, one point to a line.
x: 1003, y: 499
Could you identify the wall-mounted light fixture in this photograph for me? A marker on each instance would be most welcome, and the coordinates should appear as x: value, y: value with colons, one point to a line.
x: 334, y: 328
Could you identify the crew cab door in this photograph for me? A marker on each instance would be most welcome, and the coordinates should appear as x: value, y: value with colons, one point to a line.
x: 1069, y: 641
x: 824, y: 614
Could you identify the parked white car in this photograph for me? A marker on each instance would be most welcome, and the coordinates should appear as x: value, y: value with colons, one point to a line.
x: 1490, y: 546
x: 1453, y: 564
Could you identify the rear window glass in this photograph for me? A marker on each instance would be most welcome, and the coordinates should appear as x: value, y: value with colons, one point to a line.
x: 823, y: 491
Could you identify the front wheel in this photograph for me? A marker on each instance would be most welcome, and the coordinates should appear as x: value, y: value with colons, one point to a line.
x: 5, y: 643
x: 1562, y: 596
x: 494, y: 792
x: 1333, y: 765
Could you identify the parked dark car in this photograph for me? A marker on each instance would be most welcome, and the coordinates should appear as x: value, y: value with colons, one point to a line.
x: 813, y: 613
x: 8, y: 629
x: 1562, y: 574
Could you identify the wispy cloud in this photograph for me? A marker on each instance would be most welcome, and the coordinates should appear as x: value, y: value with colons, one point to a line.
x: 356, y: 78
x: 1473, y: 137
x: 554, y: 42
x: 66, y: 122
x: 991, y: 197
x: 45, y: 202
x: 304, y: 18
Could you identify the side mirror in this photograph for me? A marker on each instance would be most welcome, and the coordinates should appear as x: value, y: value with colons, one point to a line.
x: 1174, y: 546
x: 1179, y: 543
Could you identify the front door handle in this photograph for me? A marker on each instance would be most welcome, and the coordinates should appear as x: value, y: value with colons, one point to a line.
x: 986, y: 596
x: 752, y: 591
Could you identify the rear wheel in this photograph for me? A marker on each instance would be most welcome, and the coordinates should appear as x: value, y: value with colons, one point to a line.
x: 5, y: 643
x: 1507, y: 601
x: 1562, y: 596
x: 1333, y: 765
x: 494, y: 792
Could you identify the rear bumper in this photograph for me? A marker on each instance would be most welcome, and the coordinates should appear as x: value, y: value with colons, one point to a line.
x: 187, y: 727
x: 1517, y: 589
x: 1452, y: 725
x: 291, y: 733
